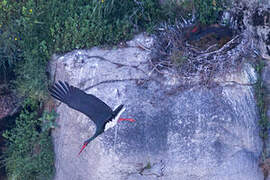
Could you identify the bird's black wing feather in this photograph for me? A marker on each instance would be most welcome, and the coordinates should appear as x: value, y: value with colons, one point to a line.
x: 77, y: 99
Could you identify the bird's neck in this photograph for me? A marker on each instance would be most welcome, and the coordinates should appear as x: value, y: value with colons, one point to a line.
x: 98, y: 132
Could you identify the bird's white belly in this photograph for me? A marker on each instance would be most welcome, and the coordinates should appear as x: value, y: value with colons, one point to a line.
x: 114, y: 121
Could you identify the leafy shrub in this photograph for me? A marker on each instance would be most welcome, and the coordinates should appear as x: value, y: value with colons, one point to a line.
x: 177, y: 9
x: 208, y: 10
x: 21, y: 32
x: 9, y: 53
x: 83, y: 24
x: 261, y: 93
x: 33, y: 30
x: 29, y: 154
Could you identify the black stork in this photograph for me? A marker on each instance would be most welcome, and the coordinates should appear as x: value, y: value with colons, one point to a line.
x: 98, y: 111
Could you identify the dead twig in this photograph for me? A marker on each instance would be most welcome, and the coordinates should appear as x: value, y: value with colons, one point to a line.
x: 143, y: 47
x: 114, y: 81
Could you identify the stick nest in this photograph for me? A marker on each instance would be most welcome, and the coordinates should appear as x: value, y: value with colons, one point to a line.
x: 200, y: 59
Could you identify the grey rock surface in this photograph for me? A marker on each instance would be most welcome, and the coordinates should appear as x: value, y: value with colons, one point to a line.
x: 191, y: 134
x: 256, y: 20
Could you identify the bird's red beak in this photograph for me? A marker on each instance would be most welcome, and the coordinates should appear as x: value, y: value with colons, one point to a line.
x: 126, y: 119
x: 84, y: 145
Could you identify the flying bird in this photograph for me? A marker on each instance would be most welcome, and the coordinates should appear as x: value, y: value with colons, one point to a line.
x: 98, y: 111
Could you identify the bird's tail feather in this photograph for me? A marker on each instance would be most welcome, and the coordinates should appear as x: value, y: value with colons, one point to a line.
x: 60, y: 90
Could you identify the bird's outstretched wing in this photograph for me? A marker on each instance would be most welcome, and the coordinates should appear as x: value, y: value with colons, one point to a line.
x: 77, y: 99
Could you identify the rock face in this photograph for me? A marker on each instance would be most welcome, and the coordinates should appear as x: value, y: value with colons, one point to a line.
x: 257, y: 20
x: 254, y: 17
x: 179, y: 134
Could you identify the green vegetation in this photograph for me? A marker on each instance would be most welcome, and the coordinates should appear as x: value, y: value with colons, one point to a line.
x: 176, y: 9
x: 261, y: 97
x: 31, y: 31
x: 148, y: 166
x: 208, y: 10
x: 29, y: 154
x: 260, y: 92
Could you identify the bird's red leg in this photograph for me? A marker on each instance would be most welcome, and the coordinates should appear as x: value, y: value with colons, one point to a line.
x: 126, y: 119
